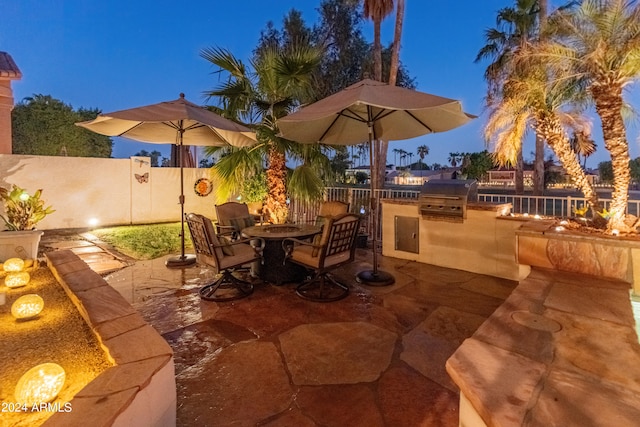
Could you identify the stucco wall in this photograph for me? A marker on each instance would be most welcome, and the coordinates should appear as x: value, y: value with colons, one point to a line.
x: 81, y: 188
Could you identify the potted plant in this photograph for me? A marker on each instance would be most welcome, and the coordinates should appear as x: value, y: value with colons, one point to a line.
x: 23, y: 212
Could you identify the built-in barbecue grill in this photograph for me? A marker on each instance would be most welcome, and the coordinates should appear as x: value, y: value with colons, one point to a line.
x: 447, y: 199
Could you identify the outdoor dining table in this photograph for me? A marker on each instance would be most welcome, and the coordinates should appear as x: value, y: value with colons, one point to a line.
x: 274, y: 268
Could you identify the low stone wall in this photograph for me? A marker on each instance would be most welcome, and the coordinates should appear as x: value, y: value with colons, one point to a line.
x: 140, y: 388
x: 563, y: 348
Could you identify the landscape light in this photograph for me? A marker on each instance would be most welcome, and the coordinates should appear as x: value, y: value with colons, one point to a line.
x: 559, y: 228
x: 615, y: 232
x: 536, y: 216
x: 93, y: 222
x: 16, y: 280
x: 40, y: 384
x: 24, y: 196
x: 27, y: 306
x: 13, y: 265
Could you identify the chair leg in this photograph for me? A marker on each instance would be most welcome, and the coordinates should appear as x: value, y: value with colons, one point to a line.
x: 322, y: 288
x: 226, y: 288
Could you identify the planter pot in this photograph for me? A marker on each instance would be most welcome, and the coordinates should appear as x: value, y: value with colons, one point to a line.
x: 19, y: 244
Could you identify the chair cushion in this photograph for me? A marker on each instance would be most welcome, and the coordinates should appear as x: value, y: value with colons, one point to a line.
x: 242, y: 222
x: 213, y: 237
x: 244, y: 254
x: 304, y: 255
x: 227, y: 248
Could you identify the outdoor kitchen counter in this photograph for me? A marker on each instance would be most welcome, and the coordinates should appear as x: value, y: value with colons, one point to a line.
x: 484, y: 242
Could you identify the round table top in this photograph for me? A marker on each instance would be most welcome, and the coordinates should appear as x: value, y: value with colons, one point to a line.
x: 281, y: 231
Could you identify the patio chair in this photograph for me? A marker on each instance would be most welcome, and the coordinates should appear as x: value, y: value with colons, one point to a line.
x: 335, y: 247
x: 225, y: 256
x: 233, y: 217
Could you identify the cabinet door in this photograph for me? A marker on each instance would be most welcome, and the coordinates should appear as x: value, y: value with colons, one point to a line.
x: 407, y: 233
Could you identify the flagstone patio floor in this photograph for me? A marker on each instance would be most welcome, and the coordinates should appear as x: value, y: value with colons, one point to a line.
x: 375, y: 358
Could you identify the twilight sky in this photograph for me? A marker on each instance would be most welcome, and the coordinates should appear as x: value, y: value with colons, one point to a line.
x: 118, y: 54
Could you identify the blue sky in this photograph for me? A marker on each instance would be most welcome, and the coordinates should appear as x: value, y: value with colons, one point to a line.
x: 118, y: 54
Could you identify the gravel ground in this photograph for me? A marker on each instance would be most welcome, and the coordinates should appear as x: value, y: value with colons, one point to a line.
x: 59, y: 334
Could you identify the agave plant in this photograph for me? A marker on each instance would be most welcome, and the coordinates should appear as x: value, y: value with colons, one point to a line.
x: 23, y: 211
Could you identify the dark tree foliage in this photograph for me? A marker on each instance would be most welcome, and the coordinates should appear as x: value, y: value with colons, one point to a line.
x: 476, y: 165
x: 605, y: 170
x: 348, y: 56
x: 42, y: 125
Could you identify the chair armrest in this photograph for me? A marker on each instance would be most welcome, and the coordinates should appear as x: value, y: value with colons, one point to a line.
x: 289, y: 243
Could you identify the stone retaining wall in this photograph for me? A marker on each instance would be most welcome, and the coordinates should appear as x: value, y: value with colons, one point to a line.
x: 140, y: 388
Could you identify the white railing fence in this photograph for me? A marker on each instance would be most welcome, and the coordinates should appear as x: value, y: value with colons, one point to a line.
x: 359, y: 200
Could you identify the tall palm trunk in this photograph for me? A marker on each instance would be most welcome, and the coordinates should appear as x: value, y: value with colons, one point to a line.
x: 551, y: 130
x: 538, y: 164
x: 608, y: 102
x: 383, y: 146
x: 519, y: 174
x: 276, y: 203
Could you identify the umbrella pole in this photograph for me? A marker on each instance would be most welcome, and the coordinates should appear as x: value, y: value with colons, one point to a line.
x: 374, y: 277
x: 182, y: 260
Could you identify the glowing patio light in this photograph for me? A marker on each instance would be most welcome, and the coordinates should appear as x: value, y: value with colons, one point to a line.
x: 13, y: 265
x: 40, y: 384
x: 615, y: 232
x: 24, y: 196
x: 27, y: 306
x: 559, y: 228
x: 93, y: 222
x: 525, y: 214
x: 536, y: 216
x: 16, y: 280
x: 564, y: 222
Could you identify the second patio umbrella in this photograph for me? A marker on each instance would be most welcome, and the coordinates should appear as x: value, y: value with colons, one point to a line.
x: 178, y: 122
x: 367, y: 111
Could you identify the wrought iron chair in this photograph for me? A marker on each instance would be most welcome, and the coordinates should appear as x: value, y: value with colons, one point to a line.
x: 233, y: 217
x: 225, y: 256
x: 335, y: 247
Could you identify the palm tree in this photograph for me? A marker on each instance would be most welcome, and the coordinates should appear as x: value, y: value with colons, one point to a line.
x: 410, y: 159
x: 598, y: 41
x: 453, y: 159
x: 396, y: 151
x: 529, y: 101
x: 423, y: 151
x: 516, y: 26
x: 377, y: 10
x: 280, y: 80
x: 583, y: 146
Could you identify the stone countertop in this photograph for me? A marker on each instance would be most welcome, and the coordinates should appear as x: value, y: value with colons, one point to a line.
x: 477, y: 206
x: 562, y: 350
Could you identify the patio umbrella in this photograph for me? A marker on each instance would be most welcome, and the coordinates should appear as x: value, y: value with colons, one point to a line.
x: 178, y: 122
x: 367, y: 111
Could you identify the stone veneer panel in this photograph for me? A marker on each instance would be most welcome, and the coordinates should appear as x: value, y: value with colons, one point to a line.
x: 140, y: 388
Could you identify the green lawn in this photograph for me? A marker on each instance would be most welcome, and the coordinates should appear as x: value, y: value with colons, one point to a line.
x: 145, y: 241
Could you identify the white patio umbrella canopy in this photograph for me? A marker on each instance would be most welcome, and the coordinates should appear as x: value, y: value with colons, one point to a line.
x: 178, y: 122
x: 367, y: 111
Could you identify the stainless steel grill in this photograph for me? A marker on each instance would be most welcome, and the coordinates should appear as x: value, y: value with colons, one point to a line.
x: 447, y: 199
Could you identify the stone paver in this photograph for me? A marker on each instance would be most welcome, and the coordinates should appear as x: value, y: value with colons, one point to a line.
x: 337, y: 353
x: 375, y: 358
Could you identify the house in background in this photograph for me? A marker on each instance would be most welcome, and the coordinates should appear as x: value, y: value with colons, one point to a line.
x: 8, y: 71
